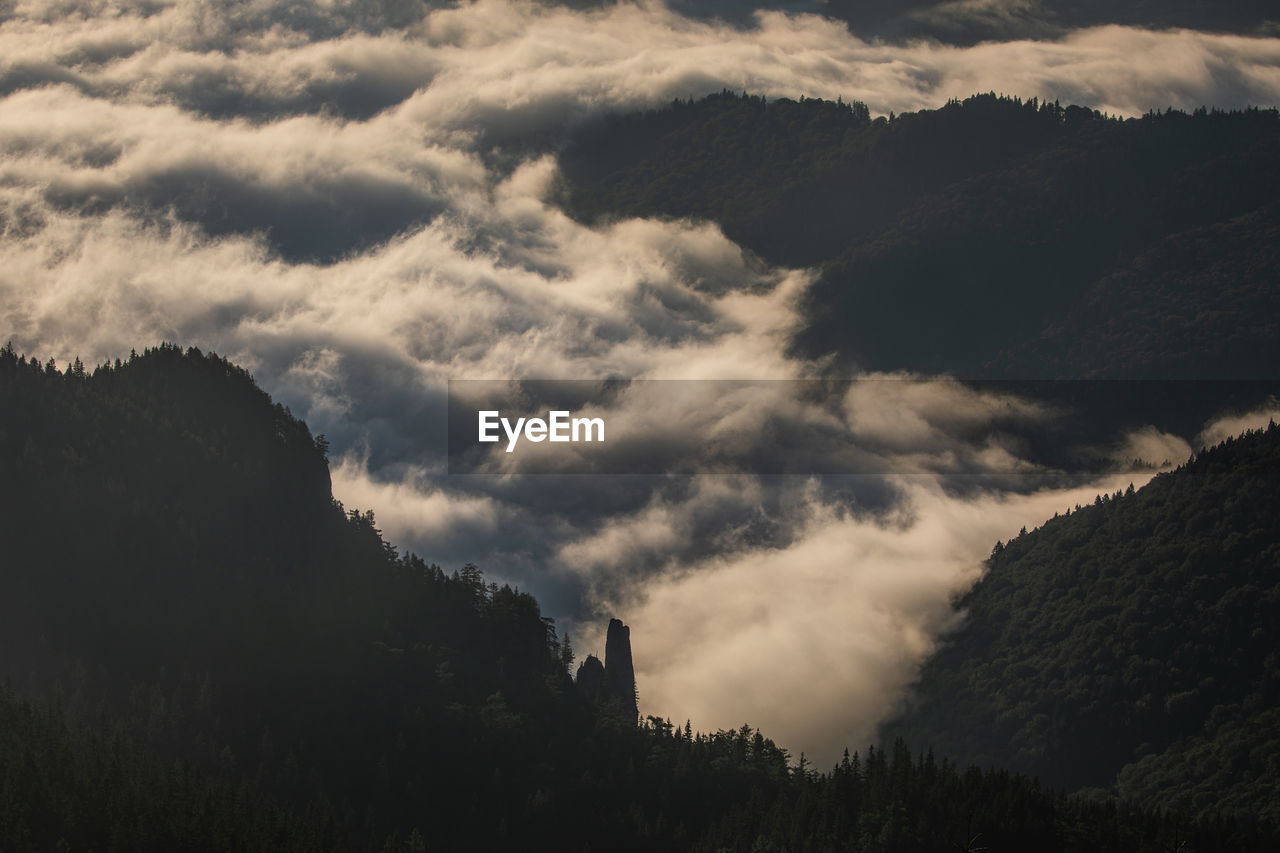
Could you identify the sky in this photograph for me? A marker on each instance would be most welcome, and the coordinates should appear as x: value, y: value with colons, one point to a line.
x: 335, y: 196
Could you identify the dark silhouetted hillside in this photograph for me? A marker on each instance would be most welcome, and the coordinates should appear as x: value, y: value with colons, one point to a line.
x: 968, y: 23
x: 988, y: 238
x: 1131, y: 646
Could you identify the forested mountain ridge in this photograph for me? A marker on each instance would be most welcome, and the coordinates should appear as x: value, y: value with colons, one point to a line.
x: 979, y: 238
x: 180, y: 588
x: 175, y: 563
x: 969, y: 23
x: 207, y: 652
x: 1132, y: 645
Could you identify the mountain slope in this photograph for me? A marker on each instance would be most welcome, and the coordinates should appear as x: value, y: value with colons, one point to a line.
x: 978, y: 238
x: 1131, y: 645
x: 175, y: 562
x: 181, y: 595
x: 955, y: 22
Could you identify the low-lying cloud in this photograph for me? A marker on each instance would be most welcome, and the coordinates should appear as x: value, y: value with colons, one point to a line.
x: 1232, y: 425
x: 350, y: 200
x: 816, y: 640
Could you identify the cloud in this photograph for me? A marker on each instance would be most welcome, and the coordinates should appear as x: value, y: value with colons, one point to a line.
x: 415, y: 507
x: 502, y: 70
x: 1231, y: 426
x: 817, y: 641
x: 313, y: 188
x: 350, y: 200
x: 1152, y: 446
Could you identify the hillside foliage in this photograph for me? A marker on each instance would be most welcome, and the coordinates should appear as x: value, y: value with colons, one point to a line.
x: 992, y: 237
x: 1131, y: 646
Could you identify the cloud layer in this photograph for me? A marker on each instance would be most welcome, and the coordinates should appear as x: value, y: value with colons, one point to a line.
x: 350, y: 200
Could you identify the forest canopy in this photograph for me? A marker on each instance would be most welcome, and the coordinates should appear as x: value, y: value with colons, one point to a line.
x: 992, y: 237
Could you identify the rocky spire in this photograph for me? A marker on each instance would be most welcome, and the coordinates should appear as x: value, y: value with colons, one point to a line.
x: 619, y: 671
x: 590, y: 678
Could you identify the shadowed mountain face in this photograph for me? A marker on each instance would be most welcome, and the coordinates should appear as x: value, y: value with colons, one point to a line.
x: 990, y: 238
x: 1130, y: 646
x: 971, y: 21
x: 174, y: 564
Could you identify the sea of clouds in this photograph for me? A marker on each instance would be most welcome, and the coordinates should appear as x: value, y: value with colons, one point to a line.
x: 351, y: 200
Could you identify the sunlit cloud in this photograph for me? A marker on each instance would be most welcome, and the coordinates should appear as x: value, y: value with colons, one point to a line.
x: 1232, y: 426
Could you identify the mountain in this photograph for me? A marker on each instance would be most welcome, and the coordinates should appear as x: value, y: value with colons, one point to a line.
x: 989, y: 238
x: 180, y: 587
x: 175, y: 563
x: 958, y: 22
x: 970, y: 22
x: 1131, y: 646
x: 204, y: 651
